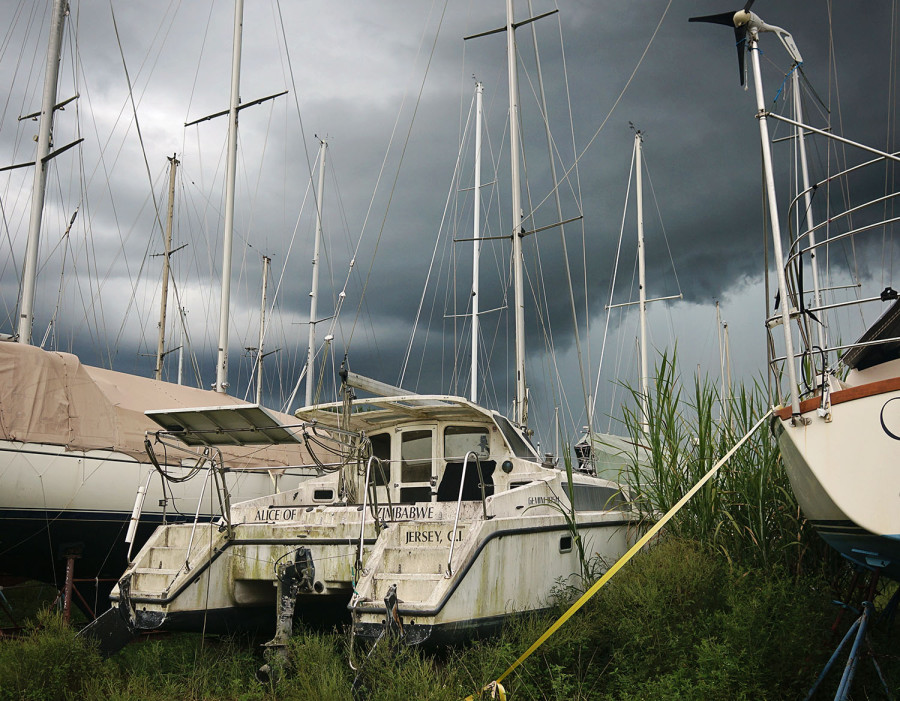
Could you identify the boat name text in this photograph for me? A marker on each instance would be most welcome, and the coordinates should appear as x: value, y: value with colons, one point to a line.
x: 432, y: 536
x: 535, y: 501
x: 405, y: 513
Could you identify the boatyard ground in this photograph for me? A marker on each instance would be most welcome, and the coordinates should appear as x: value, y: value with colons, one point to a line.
x: 678, y: 623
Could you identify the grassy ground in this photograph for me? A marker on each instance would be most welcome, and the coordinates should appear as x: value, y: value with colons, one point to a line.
x: 679, y: 622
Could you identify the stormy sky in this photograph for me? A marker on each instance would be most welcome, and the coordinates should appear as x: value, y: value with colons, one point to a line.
x: 389, y: 86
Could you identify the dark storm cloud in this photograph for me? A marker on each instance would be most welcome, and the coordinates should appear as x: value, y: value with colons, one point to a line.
x: 354, y: 65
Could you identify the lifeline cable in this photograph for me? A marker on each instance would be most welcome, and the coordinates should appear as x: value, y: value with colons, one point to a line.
x: 610, y: 573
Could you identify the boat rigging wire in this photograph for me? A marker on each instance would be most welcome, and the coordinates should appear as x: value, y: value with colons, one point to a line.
x: 612, y: 109
x: 140, y: 136
x: 453, y: 183
x: 397, y: 172
x: 612, y: 285
x: 559, y: 216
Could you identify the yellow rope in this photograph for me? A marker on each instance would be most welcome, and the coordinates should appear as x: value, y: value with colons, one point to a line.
x: 610, y: 573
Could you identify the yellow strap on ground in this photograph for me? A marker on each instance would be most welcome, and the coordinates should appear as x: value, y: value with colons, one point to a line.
x: 610, y: 573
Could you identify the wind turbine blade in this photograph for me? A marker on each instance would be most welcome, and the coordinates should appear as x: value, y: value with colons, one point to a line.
x: 726, y: 18
x: 740, y: 36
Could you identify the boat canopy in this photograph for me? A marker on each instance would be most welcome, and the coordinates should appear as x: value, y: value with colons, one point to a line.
x: 381, y: 412
x: 51, y: 397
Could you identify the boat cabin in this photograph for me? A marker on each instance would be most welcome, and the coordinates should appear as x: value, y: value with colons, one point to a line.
x: 421, y: 442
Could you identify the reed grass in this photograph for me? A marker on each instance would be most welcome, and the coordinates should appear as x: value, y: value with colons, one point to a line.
x: 747, y: 512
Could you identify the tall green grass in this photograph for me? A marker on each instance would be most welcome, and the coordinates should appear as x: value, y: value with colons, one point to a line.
x: 677, y: 623
x: 747, y: 511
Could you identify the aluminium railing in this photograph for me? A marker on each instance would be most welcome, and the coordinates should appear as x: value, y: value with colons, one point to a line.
x: 462, y: 482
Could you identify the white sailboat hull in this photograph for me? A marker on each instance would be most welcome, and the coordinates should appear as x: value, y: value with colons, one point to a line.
x: 54, y: 500
x: 511, y: 566
x: 845, y: 472
x: 72, y: 458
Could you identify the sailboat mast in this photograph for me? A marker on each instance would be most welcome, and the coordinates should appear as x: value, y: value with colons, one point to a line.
x: 753, y: 50
x: 314, y: 292
x: 41, y: 163
x: 807, y: 202
x: 181, y: 346
x: 161, y: 342
x: 228, y: 233
x: 260, y: 353
x: 642, y: 282
x: 722, y: 404
x: 521, y: 413
x: 476, y: 225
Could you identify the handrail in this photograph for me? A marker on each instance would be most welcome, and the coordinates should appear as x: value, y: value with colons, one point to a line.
x: 387, y: 489
x: 224, y: 497
x: 187, y: 556
x: 137, y: 510
x: 362, y: 520
x: 846, y: 346
x: 462, y: 482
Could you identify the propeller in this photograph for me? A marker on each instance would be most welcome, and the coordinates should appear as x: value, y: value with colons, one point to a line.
x: 738, y: 20
x: 745, y: 22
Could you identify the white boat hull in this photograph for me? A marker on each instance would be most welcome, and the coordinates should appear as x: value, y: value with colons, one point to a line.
x: 55, y: 500
x: 513, y: 566
x: 845, y: 472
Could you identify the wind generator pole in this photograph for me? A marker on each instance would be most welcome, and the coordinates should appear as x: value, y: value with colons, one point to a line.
x: 476, y: 253
x: 41, y: 163
x: 228, y: 234
x: 161, y: 342
x: 807, y: 203
x: 642, y: 283
x: 521, y: 414
x: 314, y: 292
x: 753, y: 49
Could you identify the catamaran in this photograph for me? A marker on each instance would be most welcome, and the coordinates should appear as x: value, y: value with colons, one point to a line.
x: 435, y: 517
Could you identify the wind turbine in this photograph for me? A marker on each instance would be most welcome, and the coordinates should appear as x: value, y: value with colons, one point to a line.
x: 746, y: 22
x: 747, y: 27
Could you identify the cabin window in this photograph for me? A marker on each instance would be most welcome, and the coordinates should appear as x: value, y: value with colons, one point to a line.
x: 589, y: 497
x: 520, y: 448
x: 381, y: 449
x: 323, y: 495
x: 460, y: 440
x: 565, y: 544
x: 416, y: 460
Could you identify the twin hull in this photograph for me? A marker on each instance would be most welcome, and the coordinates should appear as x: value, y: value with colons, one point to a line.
x: 502, y: 565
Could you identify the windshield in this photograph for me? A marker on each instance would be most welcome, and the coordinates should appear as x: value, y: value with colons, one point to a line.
x: 518, y: 445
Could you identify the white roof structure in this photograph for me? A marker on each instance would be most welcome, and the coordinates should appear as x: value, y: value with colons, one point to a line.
x: 380, y: 412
